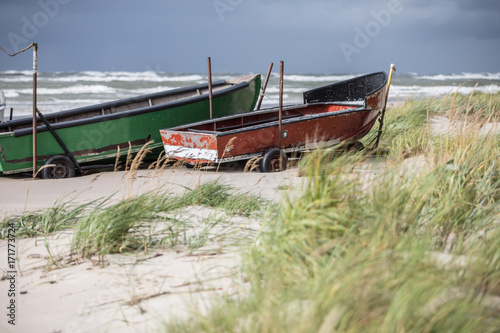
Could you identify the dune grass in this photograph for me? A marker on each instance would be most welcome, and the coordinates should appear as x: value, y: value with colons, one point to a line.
x: 155, y: 219
x: 32, y: 224
x: 404, y: 251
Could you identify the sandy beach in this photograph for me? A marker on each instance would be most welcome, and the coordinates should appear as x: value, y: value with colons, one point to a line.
x: 130, y: 293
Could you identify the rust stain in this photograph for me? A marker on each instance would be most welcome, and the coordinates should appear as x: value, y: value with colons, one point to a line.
x: 333, y: 108
x: 186, y: 139
x: 209, y: 142
x: 172, y: 138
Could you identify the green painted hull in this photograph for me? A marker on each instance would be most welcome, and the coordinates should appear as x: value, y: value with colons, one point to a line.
x: 98, y: 139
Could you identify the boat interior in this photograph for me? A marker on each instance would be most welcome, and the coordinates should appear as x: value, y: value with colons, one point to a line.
x: 352, y: 94
x: 266, y: 116
x: 355, y: 89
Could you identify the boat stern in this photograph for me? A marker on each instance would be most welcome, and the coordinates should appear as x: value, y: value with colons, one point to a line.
x: 190, y: 147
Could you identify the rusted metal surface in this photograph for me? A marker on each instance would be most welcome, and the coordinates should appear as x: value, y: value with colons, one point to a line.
x: 381, y: 120
x: 264, y: 87
x: 253, y: 133
x: 210, y: 91
x: 190, y: 146
x: 280, y: 125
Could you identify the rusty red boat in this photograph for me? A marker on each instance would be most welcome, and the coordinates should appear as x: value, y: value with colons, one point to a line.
x: 340, y: 112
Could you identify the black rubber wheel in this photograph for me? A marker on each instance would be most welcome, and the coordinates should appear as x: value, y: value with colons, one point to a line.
x: 62, y: 167
x: 274, y: 160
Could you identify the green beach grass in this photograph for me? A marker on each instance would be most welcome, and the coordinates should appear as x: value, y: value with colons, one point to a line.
x: 155, y: 220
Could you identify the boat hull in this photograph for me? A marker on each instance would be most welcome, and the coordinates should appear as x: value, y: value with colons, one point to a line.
x: 321, y: 124
x: 100, y: 139
x: 316, y: 123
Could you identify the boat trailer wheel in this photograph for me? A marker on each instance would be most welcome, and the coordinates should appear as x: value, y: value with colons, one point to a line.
x: 274, y: 160
x: 61, y: 167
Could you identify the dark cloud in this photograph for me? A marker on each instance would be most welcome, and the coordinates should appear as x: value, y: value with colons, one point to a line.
x: 480, y: 5
x: 242, y: 35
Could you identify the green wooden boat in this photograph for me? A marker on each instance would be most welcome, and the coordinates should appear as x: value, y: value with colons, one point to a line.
x: 97, y: 134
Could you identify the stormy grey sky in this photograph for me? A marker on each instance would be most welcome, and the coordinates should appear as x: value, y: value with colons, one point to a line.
x: 311, y: 36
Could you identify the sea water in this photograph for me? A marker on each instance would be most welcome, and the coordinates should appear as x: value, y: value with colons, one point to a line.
x: 64, y: 91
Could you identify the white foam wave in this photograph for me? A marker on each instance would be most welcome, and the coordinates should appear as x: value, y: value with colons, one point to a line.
x: 419, y: 91
x: 90, y: 76
x: 78, y: 89
x: 11, y: 93
x: 94, y: 76
x: 13, y: 72
x: 462, y: 76
x: 317, y: 78
x: 16, y: 79
x: 183, y: 78
x: 276, y: 90
x: 63, y: 91
x: 146, y: 91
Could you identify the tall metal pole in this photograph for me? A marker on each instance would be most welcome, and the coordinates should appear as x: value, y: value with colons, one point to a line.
x: 261, y: 97
x: 381, y: 119
x: 210, y: 86
x: 282, y: 68
x: 35, y: 72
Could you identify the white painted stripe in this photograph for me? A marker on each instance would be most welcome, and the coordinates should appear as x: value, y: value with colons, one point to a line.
x: 191, y: 153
